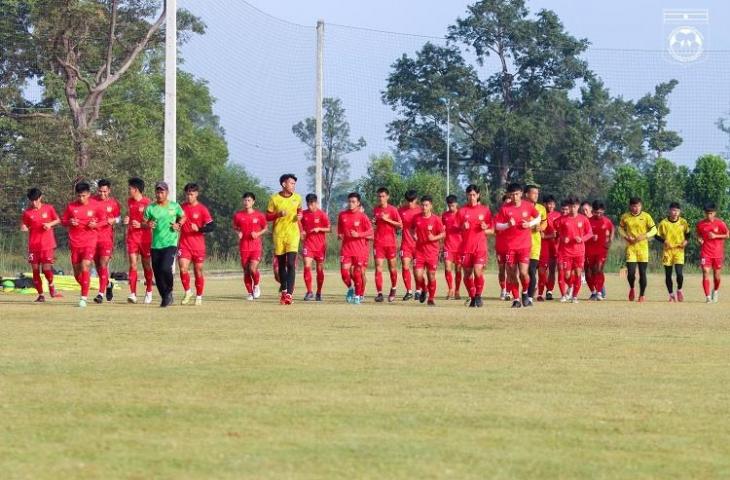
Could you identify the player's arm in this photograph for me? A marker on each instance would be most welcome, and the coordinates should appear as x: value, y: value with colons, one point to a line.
x: 368, y: 232
x: 661, y: 232
x: 587, y: 232
x: 341, y: 234
x: 502, y: 223
x: 397, y: 222
x: 440, y: 232
x: 530, y: 224
x: 271, y: 212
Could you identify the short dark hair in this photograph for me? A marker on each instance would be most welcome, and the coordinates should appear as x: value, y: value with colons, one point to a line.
x: 383, y: 190
x: 34, y: 194
x: 585, y: 202
x: 191, y: 187
x: 137, y: 183
x: 598, y: 205
x: 82, y: 187
x: 471, y: 188
x: 565, y: 202
x: 286, y: 177
x: 675, y: 205
x: 451, y: 199
x: 530, y: 187
x: 310, y: 198
x: 634, y: 200
x: 103, y: 182
x: 548, y: 199
x: 427, y: 198
x: 354, y: 195
x: 505, y: 197
x: 411, y: 195
x: 249, y: 195
x: 710, y: 207
x: 574, y: 201
x: 514, y: 187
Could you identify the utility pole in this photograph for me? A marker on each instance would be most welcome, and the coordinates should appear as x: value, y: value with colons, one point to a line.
x: 448, y: 146
x: 318, y: 113
x: 170, y: 167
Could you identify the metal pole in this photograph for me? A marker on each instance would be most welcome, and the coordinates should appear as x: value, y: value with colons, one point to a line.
x: 318, y: 113
x: 448, y: 145
x: 170, y: 169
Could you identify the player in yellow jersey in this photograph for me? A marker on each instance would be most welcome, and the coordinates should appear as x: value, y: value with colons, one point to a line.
x: 285, y: 210
x: 673, y: 233
x: 636, y: 228
x: 532, y: 193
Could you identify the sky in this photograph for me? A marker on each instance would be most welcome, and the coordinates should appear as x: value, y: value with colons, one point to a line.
x: 258, y: 57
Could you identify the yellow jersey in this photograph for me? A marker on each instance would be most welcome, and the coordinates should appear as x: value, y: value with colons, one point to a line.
x: 673, y: 233
x: 635, y: 225
x: 286, y: 226
x: 536, y: 237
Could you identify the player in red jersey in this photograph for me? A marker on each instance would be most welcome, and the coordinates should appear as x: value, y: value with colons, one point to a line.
x: 597, y: 248
x: 475, y: 220
x: 548, y: 253
x: 565, y: 289
x: 574, y: 230
x: 251, y: 226
x: 354, y: 229
x: 516, y: 219
x: 428, y: 230
x: 198, y: 222
x: 105, y: 242
x: 139, y: 240
x: 38, y: 220
x: 711, y: 233
x: 83, y: 218
x: 315, y: 227
x: 500, y: 250
x: 408, y: 211
x: 387, y: 221
x: 452, y: 248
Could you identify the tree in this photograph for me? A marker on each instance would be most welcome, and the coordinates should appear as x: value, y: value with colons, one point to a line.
x: 653, y: 110
x: 628, y: 182
x: 667, y: 183
x: 336, y: 145
x: 709, y: 182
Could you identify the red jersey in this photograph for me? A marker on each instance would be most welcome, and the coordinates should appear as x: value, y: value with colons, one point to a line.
x: 40, y: 239
x: 315, y: 242
x: 247, y: 223
x: 550, y: 228
x: 452, y: 242
x: 112, y: 209
x: 602, y: 229
x: 198, y: 215
x: 715, y: 247
x: 135, y: 211
x: 470, y: 218
x: 407, y: 216
x: 384, y: 231
x: 81, y: 235
x: 422, y: 227
x: 347, y: 222
x: 569, y: 229
x: 516, y: 237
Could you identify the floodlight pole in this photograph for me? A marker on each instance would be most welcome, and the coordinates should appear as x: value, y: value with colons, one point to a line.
x: 170, y: 167
x: 318, y: 113
x: 448, y: 145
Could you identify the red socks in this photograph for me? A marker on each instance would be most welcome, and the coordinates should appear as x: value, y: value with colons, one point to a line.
x: 431, y: 290
x: 308, y: 278
x: 148, y: 279
x: 38, y: 282
x: 458, y: 280
x: 133, y: 281
x: 706, y: 286
x: 717, y: 283
x: 320, y: 279
x: 379, y: 281
x: 478, y: 285
x: 199, y: 285
x: 185, y: 279
x: 576, y: 285
x: 393, y: 278
x: 346, y: 278
x: 256, y: 277
x: 103, y: 278
x: 561, y: 283
x: 449, y: 279
x: 359, y: 283
x: 407, y: 278
x: 85, y: 281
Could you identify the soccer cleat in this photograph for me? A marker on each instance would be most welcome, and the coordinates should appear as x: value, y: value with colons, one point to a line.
x: 53, y: 293
x: 288, y: 298
x: 708, y: 299
x: 309, y: 297
x: 281, y: 298
x: 524, y: 298
x: 422, y: 297
x: 431, y: 303
x: 593, y: 296
x: 110, y: 292
x: 187, y: 297
x: 132, y: 298
x: 318, y: 297
x: 540, y: 298
x: 407, y: 296
x: 457, y: 296
x: 503, y: 295
x: 516, y: 304
x: 599, y: 297
x: 642, y: 299
x: 478, y: 301
x: 472, y: 302
x: 148, y: 298
x: 417, y: 295
x: 198, y: 301
x: 350, y: 295
x: 256, y: 291
x: 528, y: 303
x: 563, y: 299
x: 391, y: 295
x: 672, y: 298
x: 570, y: 292
x: 680, y: 296
x: 715, y: 296
x: 549, y: 296
x: 82, y: 303
x: 40, y: 299
x: 467, y: 302
x: 632, y: 294
x: 574, y: 300
x: 249, y: 297
x: 166, y: 301
x: 603, y: 292
x: 356, y: 300
x: 99, y: 298
x: 379, y: 298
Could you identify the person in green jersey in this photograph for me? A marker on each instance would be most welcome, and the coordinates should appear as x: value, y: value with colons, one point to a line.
x: 164, y: 218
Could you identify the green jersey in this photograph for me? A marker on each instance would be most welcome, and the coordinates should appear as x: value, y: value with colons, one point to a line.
x: 164, y: 216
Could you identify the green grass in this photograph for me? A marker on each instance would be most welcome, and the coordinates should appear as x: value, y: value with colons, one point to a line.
x: 240, y: 390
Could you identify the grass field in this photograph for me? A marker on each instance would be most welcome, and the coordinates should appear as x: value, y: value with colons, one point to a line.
x: 240, y: 390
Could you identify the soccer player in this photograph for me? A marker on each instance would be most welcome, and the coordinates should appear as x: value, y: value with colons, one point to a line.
x: 428, y: 231
x: 250, y: 225
x: 637, y: 227
x: 354, y: 229
x: 386, y: 221
x: 574, y: 230
x: 139, y: 240
x: 673, y: 233
x: 38, y: 220
x: 315, y: 227
x: 165, y: 219
x: 105, y: 242
x: 565, y: 289
x: 597, y: 249
x: 532, y: 193
x: 475, y: 220
x: 82, y: 218
x: 548, y: 252
x: 711, y: 233
x: 500, y: 250
x: 408, y: 212
x: 516, y: 220
x: 452, y: 248
x: 192, y: 243
x: 285, y: 210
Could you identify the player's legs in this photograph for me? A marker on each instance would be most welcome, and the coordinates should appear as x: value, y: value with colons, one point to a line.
x: 101, y: 263
x: 308, y: 261
x: 393, y: 269
x: 642, y: 278
x: 432, y: 284
x: 320, y: 277
x: 379, y: 263
x: 199, y: 280
x: 524, y: 272
x: 552, y: 275
x: 449, y: 277
x: 283, y: 274
x: 478, y: 278
x: 679, y: 272
x: 291, y: 265
x: 717, y: 269
x: 84, y: 273
x: 37, y: 280
x: 132, y: 273
x: 346, y: 274
x: 162, y: 260
x: 577, y: 277
x: 420, y: 277
x: 668, y: 281
x: 532, y: 272
x: 183, y: 264
x: 706, y: 273
x: 631, y: 277
x: 599, y: 277
x: 406, y: 273
x: 246, y: 264
x: 502, y: 276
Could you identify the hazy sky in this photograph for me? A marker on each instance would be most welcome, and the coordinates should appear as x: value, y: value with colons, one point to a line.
x: 259, y: 60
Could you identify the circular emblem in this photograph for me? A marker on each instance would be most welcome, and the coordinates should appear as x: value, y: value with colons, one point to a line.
x: 255, y: 220
x: 430, y: 227
x: 195, y: 215
x: 686, y: 44
x: 715, y: 229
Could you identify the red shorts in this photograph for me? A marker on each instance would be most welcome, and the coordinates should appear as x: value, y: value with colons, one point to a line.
x: 317, y: 255
x: 139, y: 247
x: 713, y: 263
x: 501, y: 256
x: 596, y: 258
x: 105, y: 249
x: 407, y: 252
x: 452, y: 256
x: 427, y: 262
x: 354, y: 260
x: 514, y: 257
x: 387, y: 253
x: 571, y: 262
x: 195, y: 256
x: 78, y: 255
x: 248, y: 256
x: 547, y: 255
x: 469, y: 260
x: 36, y: 257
